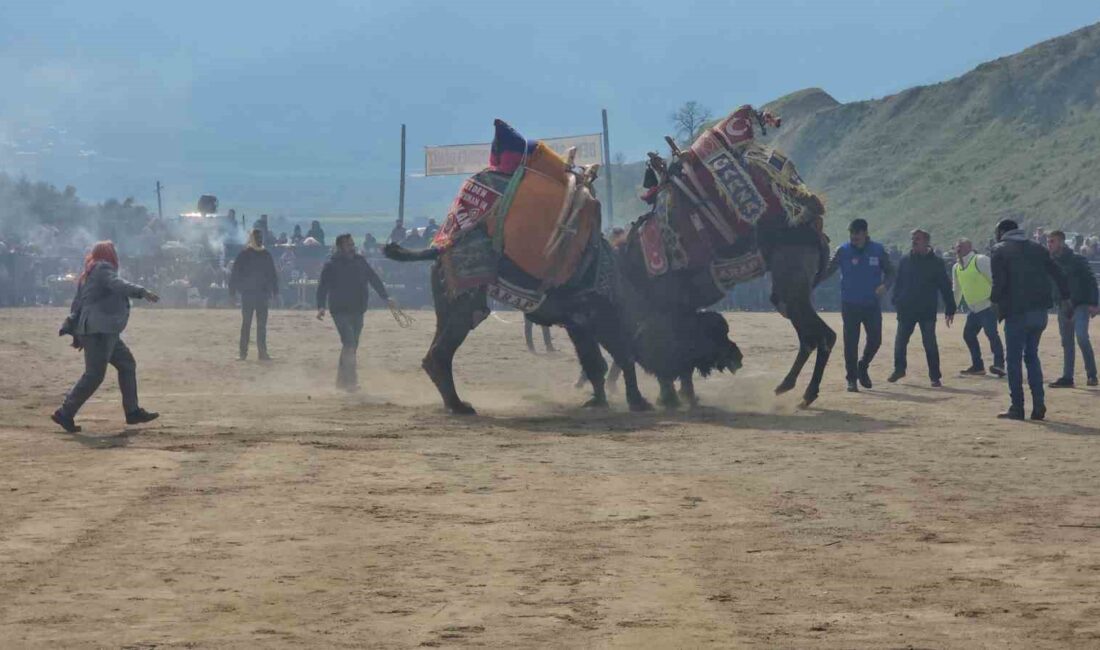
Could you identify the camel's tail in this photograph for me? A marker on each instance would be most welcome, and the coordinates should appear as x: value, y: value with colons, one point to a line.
x: 399, y: 253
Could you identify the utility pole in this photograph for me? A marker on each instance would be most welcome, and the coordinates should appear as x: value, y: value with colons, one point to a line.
x: 401, y: 200
x: 160, y: 210
x: 607, y: 171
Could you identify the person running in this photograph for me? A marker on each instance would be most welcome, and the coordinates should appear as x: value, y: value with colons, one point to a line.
x: 1083, y: 295
x: 1022, y: 275
x: 343, y: 289
x: 922, y: 279
x: 255, y: 279
x: 865, y: 274
x: 972, y: 282
x: 98, y: 315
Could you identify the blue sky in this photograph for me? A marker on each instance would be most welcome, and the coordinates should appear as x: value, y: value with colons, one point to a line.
x: 297, y: 109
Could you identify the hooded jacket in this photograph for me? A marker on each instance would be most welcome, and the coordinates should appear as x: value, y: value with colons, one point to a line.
x: 1022, y: 276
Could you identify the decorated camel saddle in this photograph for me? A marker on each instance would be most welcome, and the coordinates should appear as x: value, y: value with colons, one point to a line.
x: 711, y: 203
x: 526, y: 224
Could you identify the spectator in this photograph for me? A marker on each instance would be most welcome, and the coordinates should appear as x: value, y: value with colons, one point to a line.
x: 1075, y: 325
x: 254, y: 277
x: 370, y: 245
x: 297, y: 237
x: 972, y: 282
x: 1022, y: 273
x: 316, y: 232
x: 865, y: 273
x: 343, y: 289
x: 922, y: 278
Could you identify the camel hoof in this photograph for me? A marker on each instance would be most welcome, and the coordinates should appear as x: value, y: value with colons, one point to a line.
x: 807, y: 400
x: 640, y: 406
x: 691, y: 401
x: 462, y: 408
x: 669, y: 403
x: 596, y: 403
x: 784, y: 387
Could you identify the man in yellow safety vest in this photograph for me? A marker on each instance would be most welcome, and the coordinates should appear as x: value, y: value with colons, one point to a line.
x: 972, y: 277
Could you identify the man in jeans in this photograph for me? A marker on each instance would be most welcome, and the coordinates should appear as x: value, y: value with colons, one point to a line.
x: 1083, y: 295
x: 343, y: 288
x: 1022, y: 274
x: 865, y: 273
x: 921, y: 282
x: 972, y: 281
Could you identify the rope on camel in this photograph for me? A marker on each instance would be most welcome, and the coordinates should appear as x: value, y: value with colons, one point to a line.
x: 403, y: 319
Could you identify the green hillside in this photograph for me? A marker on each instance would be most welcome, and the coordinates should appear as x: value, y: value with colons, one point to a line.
x: 1019, y: 137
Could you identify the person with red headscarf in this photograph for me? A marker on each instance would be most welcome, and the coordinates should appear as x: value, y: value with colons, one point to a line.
x: 98, y: 316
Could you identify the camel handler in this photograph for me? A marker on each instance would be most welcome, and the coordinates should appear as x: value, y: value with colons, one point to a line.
x: 865, y: 274
x: 922, y: 279
x: 1084, y: 296
x: 972, y: 282
x: 343, y: 289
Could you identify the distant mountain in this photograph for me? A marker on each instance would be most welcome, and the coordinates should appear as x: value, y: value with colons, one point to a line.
x: 1018, y: 136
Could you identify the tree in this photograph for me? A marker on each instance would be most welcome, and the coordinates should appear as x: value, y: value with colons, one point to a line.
x: 689, y: 120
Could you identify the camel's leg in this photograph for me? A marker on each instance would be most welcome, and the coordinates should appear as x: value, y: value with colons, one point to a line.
x: 668, y: 398
x: 825, y: 338
x: 588, y: 352
x: 687, y: 389
x: 804, y: 349
x: 454, y: 319
x: 610, y: 336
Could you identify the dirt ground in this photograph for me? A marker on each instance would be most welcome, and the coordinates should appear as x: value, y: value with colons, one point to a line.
x: 266, y: 509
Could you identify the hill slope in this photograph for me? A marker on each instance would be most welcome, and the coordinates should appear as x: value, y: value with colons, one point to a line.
x: 1019, y: 136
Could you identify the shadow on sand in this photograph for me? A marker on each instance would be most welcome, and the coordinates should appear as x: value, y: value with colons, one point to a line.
x: 103, y: 442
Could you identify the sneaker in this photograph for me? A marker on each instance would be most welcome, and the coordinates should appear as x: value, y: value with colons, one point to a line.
x: 1091, y: 381
x: 896, y: 375
x: 1062, y: 382
x: 1013, y: 413
x: 242, y: 357
x: 974, y: 370
x: 997, y: 370
x: 265, y: 357
x: 852, y: 388
x: 864, y: 376
x: 65, y: 422
x: 141, y: 416
x: 1039, y: 412
x: 936, y: 383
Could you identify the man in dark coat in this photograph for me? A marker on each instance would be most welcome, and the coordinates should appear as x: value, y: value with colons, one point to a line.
x: 254, y: 277
x: 1022, y: 274
x: 921, y: 282
x: 343, y: 289
x: 1083, y: 295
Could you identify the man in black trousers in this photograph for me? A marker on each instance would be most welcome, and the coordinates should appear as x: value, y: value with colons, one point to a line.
x: 254, y: 277
x: 344, y: 284
x: 922, y: 280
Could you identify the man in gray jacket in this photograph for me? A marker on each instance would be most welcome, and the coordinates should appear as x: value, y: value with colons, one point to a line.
x: 99, y: 314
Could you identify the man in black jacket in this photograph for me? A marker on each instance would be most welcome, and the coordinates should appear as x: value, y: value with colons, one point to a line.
x: 1083, y: 295
x: 255, y: 279
x: 1022, y: 275
x: 344, y: 284
x: 921, y: 281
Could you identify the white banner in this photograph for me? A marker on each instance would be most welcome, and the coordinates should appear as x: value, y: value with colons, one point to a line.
x: 472, y: 158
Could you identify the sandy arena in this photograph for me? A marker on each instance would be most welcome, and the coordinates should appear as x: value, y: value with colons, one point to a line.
x: 265, y: 509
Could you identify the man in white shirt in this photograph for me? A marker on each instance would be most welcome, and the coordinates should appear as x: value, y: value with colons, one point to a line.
x: 972, y: 277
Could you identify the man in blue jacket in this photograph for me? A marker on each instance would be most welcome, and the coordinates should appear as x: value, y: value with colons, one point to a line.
x: 865, y: 273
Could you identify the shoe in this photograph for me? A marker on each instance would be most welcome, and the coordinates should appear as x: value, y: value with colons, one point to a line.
x: 864, y: 376
x: 1061, y: 382
x: 1039, y: 412
x: 1013, y: 413
x: 997, y: 370
x: 973, y: 370
x: 852, y: 388
x: 896, y: 375
x: 65, y: 422
x: 265, y: 357
x: 242, y: 357
x: 1091, y: 382
x: 936, y: 383
x: 141, y: 416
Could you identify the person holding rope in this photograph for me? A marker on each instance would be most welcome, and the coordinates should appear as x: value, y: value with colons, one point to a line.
x: 97, y: 317
x: 343, y: 289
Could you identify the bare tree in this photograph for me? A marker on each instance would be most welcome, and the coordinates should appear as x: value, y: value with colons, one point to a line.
x: 689, y: 120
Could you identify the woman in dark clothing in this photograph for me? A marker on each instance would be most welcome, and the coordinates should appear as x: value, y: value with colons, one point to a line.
x: 98, y: 316
x: 343, y: 289
x: 255, y: 279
